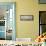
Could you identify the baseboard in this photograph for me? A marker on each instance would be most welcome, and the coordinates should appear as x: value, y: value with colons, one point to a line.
x: 24, y: 39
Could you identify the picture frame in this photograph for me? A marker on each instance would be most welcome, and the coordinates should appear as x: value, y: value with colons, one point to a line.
x: 42, y: 1
x: 26, y: 17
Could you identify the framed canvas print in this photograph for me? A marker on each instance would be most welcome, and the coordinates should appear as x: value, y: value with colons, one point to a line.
x: 42, y: 1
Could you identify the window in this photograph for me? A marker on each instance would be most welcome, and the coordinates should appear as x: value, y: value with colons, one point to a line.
x: 42, y: 22
x: 7, y: 21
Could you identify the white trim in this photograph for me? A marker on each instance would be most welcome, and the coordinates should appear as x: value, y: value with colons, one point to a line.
x: 13, y: 36
x: 5, y: 29
x: 24, y: 39
x: 11, y: 13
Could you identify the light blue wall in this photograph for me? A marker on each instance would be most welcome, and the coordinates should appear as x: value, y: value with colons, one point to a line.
x: 2, y: 35
x: 2, y: 28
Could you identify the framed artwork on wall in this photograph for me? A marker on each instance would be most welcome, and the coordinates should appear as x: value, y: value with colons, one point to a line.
x: 42, y: 1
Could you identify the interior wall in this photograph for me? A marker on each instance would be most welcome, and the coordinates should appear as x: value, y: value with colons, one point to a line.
x: 27, y: 29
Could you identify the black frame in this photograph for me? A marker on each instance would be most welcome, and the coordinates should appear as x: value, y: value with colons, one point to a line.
x: 2, y: 23
x: 39, y: 21
x: 40, y: 2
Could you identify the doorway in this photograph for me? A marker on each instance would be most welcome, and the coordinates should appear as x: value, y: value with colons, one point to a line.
x: 7, y: 21
x: 42, y: 22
